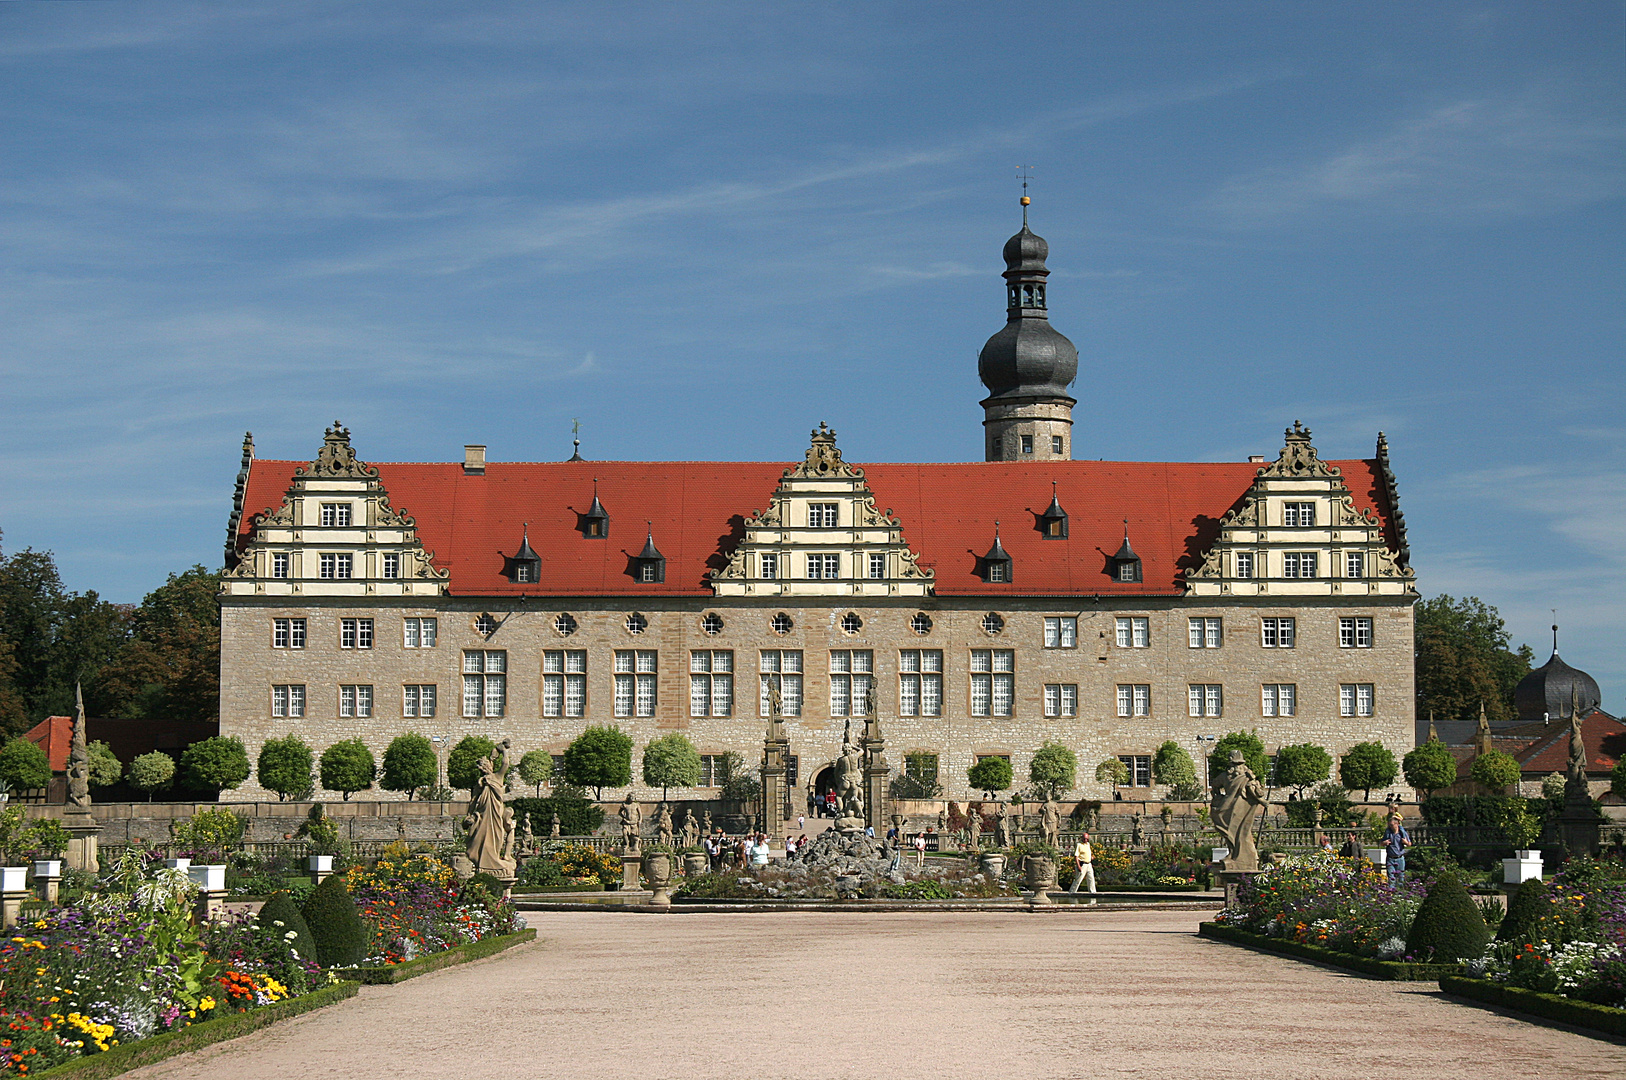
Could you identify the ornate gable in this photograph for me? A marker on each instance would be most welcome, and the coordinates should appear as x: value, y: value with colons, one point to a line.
x: 1297, y: 532
x: 823, y: 535
x: 335, y: 534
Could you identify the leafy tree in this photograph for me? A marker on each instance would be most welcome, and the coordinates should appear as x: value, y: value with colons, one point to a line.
x: 1430, y: 767
x: 1617, y: 778
x: 1495, y: 770
x: 348, y: 767
x: 13, y: 707
x: 1112, y: 771
x: 53, y: 639
x: 409, y: 764
x: 216, y: 764
x: 990, y: 774
x: 285, y: 767
x: 1171, y: 765
x: 736, y: 783
x: 170, y: 667
x: 1463, y: 659
x: 23, y: 765
x: 1054, y: 770
x: 463, y: 763
x: 600, y: 757
x: 669, y: 761
x: 1301, y: 765
x: 1367, y: 765
x: 152, y: 772
x: 1253, y: 752
x: 536, y: 768
x: 1553, y: 784
x: 105, y: 767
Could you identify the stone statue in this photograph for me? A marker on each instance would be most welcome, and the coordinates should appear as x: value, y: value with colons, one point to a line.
x: 663, y: 824
x: 691, y: 828
x: 850, y: 783
x: 942, y: 821
x: 632, y: 819
x: 1137, y: 835
x: 973, y: 826
x: 705, y: 822
x: 1050, y: 822
x: 1236, y: 802
x: 78, y: 758
x: 869, y: 700
x: 553, y: 826
x: 776, y: 700
x: 490, y: 820
x: 1002, y: 824
x: 522, y: 833
x: 1577, y: 763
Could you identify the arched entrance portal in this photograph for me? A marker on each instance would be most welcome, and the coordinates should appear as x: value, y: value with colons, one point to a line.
x: 821, y: 782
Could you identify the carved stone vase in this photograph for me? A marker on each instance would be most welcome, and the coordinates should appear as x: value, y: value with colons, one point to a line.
x: 695, y: 863
x: 1041, y: 877
x: 658, y: 876
x: 993, y: 864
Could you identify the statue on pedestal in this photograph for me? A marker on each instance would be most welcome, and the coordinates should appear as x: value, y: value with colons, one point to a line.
x: 850, y: 784
x: 1137, y: 835
x: 553, y: 826
x: 973, y: 826
x: 690, y: 828
x: 632, y: 819
x: 1050, y: 822
x: 663, y: 824
x: 705, y: 822
x: 1002, y: 824
x: 1236, y: 802
x: 491, y: 821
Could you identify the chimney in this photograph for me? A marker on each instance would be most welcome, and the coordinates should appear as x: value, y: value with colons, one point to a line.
x: 1256, y: 459
x: 474, y: 460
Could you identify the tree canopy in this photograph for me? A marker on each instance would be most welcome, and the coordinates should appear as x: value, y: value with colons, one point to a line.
x: 600, y: 757
x: 1300, y: 765
x: 105, y: 767
x: 152, y: 772
x: 348, y: 767
x: 670, y: 761
x: 1172, y: 766
x: 1463, y: 659
x: 1367, y: 765
x: 216, y: 764
x: 1053, y: 771
x: 23, y: 765
x: 1430, y: 767
x: 409, y: 764
x: 990, y: 774
x: 1113, y: 771
x: 285, y: 767
x: 1495, y: 770
x: 463, y: 763
x: 1253, y: 752
x: 536, y: 769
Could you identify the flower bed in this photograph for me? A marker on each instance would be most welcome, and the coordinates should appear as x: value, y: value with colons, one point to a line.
x: 1322, y: 900
x: 457, y: 954
x: 1398, y: 970
x: 1565, y: 1010
x: 414, y: 905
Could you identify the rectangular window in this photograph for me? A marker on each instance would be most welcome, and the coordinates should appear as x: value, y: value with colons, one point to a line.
x: 1355, y: 564
x: 770, y: 567
x: 1278, y: 699
x: 288, y: 633
x: 355, y: 633
x: 390, y: 565
x: 1027, y: 444
x: 1140, y: 769
x: 821, y: 515
x: 1204, y: 633
x: 355, y: 700
x: 564, y: 682
x: 877, y: 565
x: 1276, y: 633
x: 1298, y: 514
x: 713, y: 770
x: 1355, y: 633
x: 1057, y: 446
x: 418, y: 701
x: 279, y: 564
x: 1355, y: 699
x: 288, y: 700
x: 1134, y: 699
x: 635, y: 682
x: 823, y: 566
x: 781, y: 670
x: 920, y: 682
x: 326, y: 565
x: 711, y: 682
x: 485, y: 682
x: 1060, y: 699
x: 1244, y: 564
x: 1299, y: 564
x: 336, y: 514
x: 1133, y: 633
x: 852, y: 677
x: 921, y: 767
x: 993, y: 682
x: 1205, y: 699
x: 999, y: 570
x: 1061, y: 632
x: 419, y: 633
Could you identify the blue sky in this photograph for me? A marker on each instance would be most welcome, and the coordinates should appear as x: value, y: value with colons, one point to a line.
x: 703, y: 228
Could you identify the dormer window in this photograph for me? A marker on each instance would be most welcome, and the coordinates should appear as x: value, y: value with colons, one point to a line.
x: 1053, y: 522
x: 1298, y: 515
x: 336, y: 515
x: 524, y: 567
x: 995, y: 566
x: 595, y: 524
x: 649, y: 565
x: 1125, y: 565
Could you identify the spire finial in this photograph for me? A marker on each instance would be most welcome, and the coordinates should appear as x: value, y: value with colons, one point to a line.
x: 1025, y: 173
x: 1555, y: 630
x: 575, y: 439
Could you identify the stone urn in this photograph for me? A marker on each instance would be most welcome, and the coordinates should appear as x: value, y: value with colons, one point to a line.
x: 993, y: 864
x: 183, y: 865
x: 658, y: 875
x: 1041, y: 877
x: 13, y: 879
x: 695, y: 863
x: 1524, y: 866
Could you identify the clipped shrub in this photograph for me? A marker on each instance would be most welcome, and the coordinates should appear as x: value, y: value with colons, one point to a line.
x: 1524, y: 913
x: 540, y: 872
x: 1448, y: 926
x: 281, y: 909
x: 335, y: 925
x: 578, y: 816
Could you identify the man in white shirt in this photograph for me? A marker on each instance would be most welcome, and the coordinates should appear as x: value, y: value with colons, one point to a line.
x: 1086, y: 863
x: 920, y: 850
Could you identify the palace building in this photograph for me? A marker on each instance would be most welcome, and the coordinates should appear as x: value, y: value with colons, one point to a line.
x: 980, y: 608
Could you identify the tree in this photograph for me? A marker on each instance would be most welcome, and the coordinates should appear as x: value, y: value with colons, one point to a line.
x: 23, y: 765
x: 1430, y: 767
x: 1301, y: 765
x: 1054, y: 770
x: 216, y: 764
x: 409, y: 764
x: 1553, y: 784
x: 1367, y: 765
x: 1172, y: 766
x: 1113, y: 771
x: 1253, y: 752
x: 463, y: 763
x: 670, y: 761
x: 736, y: 783
x: 1495, y: 770
x: 348, y: 767
x: 990, y: 774
x: 152, y: 772
x: 170, y: 666
x: 1463, y: 660
x: 1617, y: 777
x: 536, y: 768
x: 285, y: 767
x: 105, y: 767
x: 600, y: 757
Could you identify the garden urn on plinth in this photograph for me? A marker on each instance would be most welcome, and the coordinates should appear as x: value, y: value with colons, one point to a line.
x: 13, y: 891
x: 1041, y: 877
x: 1524, y: 866
x: 658, y: 875
x: 993, y: 864
x: 211, y: 883
x: 48, y: 876
x: 320, y: 867
x: 695, y: 863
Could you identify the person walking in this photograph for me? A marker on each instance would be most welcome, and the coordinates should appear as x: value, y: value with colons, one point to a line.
x: 1395, y: 842
x: 759, y: 851
x: 1085, y: 854
x: 920, y: 850
x: 1352, y: 848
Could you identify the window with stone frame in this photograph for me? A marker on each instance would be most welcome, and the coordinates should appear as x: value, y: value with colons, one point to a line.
x: 877, y: 565
x: 1134, y: 699
x: 1205, y: 699
x: 355, y: 700
x: 920, y: 682
x: 287, y: 633
x: 711, y: 682
x: 419, y: 633
x: 1060, y: 700
x: 823, y: 565
x: 1356, y: 699
x: 1278, y: 699
x: 390, y: 565
x: 1300, y: 564
x: 1061, y: 632
x: 335, y: 515
x: 485, y: 682
x: 821, y: 515
x: 770, y: 566
x: 564, y: 682
x: 1298, y: 515
x: 1354, y: 564
x: 1140, y: 769
x: 993, y: 682
x: 1355, y: 633
x: 635, y: 688
x: 1205, y: 633
x: 1243, y: 562
x: 418, y: 700
x: 1277, y: 633
x: 355, y: 633
x: 288, y: 699
x: 1133, y: 632
x: 279, y: 564
x: 852, y: 677
x: 781, y: 670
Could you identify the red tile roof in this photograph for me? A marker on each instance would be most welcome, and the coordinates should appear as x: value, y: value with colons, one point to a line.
x: 54, y: 735
x: 1549, y: 748
x: 698, y: 509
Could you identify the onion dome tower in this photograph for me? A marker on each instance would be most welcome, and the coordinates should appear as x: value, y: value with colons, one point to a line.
x: 1028, y: 366
x: 1555, y: 690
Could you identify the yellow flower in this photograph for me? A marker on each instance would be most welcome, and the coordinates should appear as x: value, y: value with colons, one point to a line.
x: 206, y: 1004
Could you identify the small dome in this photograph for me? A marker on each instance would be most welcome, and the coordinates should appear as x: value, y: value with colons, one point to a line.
x: 1550, y: 689
x: 1026, y: 250
x: 1028, y: 357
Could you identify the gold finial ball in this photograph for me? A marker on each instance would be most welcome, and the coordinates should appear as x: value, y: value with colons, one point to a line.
x: 1026, y: 201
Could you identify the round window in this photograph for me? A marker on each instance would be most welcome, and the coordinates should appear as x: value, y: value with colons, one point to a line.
x: 712, y: 623
x: 992, y: 623
x: 564, y: 624
x: 782, y: 623
x: 636, y: 623
x: 921, y: 623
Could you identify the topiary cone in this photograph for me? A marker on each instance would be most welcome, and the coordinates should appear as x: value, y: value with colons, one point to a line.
x: 281, y: 909
x: 1524, y: 912
x: 1448, y: 926
x: 340, y: 935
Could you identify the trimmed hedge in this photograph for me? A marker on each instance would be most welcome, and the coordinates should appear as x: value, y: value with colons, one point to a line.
x: 133, y: 1055
x: 335, y: 925
x: 1396, y: 970
x: 458, y: 954
x: 1604, y: 1018
x: 1449, y: 924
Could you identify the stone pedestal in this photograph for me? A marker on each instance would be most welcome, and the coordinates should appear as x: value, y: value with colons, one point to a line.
x: 876, y: 773
x: 13, y: 891
x: 211, y: 883
x: 774, y: 751
x: 658, y: 872
x: 320, y: 867
x: 629, y: 870
x: 82, y: 842
x: 1232, y: 880
x: 1524, y: 866
x: 48, y: 879
x: 1578, y: 821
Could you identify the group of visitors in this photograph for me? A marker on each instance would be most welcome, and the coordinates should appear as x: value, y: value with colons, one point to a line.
x: 749, y: 850
x: 1394, y: 844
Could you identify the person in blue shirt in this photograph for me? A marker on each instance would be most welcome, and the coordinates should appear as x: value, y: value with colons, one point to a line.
x: 1395, y: 843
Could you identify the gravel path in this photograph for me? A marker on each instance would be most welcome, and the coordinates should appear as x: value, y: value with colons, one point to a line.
x: 865, y: 995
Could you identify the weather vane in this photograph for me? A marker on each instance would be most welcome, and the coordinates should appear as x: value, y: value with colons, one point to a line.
x: 1024, y: 173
